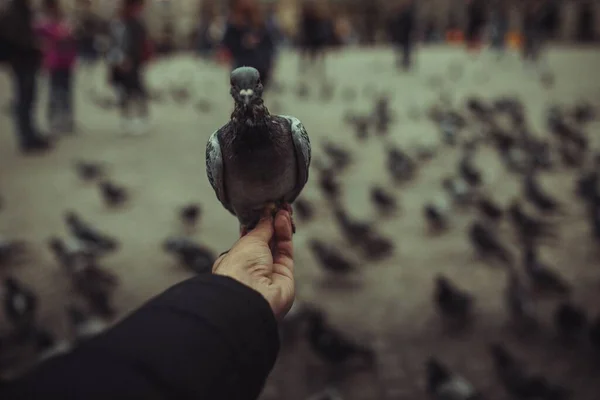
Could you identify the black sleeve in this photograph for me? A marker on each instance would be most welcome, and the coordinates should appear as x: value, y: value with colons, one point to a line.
x: 232, y: 39
x: 207, y: 338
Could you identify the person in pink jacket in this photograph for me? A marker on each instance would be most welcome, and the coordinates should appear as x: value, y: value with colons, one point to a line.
x: 60, y: 54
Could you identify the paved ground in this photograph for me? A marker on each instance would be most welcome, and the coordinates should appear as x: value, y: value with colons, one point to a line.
x: 389, y: 303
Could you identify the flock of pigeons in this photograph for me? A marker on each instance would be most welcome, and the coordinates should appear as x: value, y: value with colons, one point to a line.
x: 499, y: 123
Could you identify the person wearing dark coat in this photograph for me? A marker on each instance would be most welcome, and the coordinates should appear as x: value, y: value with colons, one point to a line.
x: 316, y: 33
x: 476, y: 19
x: 24, y: 56
x: 401, y: 28
x: 533, y: 29
x: 210, y: 337
x: 248, y: 40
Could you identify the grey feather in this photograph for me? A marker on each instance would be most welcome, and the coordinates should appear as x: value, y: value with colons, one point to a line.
x: 215, y: 169
x: 303, y: 152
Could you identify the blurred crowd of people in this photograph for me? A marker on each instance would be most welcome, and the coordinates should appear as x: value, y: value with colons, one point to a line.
x: 246, y: 32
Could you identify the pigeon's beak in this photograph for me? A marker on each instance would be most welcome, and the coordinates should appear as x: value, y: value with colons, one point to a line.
x: 246, y: 95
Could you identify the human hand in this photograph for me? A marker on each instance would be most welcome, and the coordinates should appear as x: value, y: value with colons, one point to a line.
x: 251, y: 262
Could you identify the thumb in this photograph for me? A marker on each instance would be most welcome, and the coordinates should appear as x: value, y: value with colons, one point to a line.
x: 264, y: 229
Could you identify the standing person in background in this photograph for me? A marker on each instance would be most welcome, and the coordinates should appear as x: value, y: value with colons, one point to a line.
x: 586, y: 22
x: 533, y: 30
x: 60, y: 53
x: 402, y: 26
x: 247, y: 39
x: 87, y: 33
x: 498, y: 26
x: 476, y: 18
x: 315, y: 34
x: 130, y: 52
x: 24, y: 57
x: 206, y: 44
x: 371, y: 21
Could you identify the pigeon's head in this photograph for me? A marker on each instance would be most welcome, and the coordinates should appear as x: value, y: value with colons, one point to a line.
x: 246, y: 86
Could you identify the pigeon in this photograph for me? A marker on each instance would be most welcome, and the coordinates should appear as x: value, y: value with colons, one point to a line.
x: 330, y: 258
x: 256, y: 160
x: 354, y: 231
x: 529, y: 227
x: 88, y: 235
x: 340, y: 157
x: 180, y: 94
x: 534, y: 193
x: 486, y: 243
x: 489, y: 208
x: 71, y: 255
x: 113, y: 194
x: 189, y: 214
x: 479, y: 109
x: 304, y: 209
x: 382, y: 115
x: 518, y: 382
x: 451, y: 301
x: 570, y: 321
x: 519, y: 302
x: 583, y: 113
x: 361, y: 126
x: 436, y: 216
x: 204, y: 106
x: 384, y: 201
x: 302, y: 90
x: 197, y: 258
x: 332, y: 346
x: 446, y: 385
x: 400, y: 165
x: 588, y: 186
x: 20, y: 304
x: 329, y: 184
x: 543, y: 278
x: 12, y: 251
x: 89, y: 171
x: 84, y: 325
x: 468, y: 171
x: 376, y: 248
x: 458, y: 189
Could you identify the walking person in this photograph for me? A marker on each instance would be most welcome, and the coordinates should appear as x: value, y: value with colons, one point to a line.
x: 127, y: 57
x: 23, y: 54
x: 315, y: 34
x: 498, y: 27
x: 401, y: 28
x: 247, y: 39
x: 60, y: 52
x: 476, y: 19
x: 87, y: 33
x: 533, y: 31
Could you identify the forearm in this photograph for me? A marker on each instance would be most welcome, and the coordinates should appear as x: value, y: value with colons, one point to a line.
x: 208, y: 337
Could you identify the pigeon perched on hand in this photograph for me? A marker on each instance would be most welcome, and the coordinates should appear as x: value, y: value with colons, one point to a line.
x: 256, y: 160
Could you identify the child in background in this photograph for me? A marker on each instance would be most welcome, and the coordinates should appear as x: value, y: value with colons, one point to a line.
x: 130, y: 52
x: 60, y: 52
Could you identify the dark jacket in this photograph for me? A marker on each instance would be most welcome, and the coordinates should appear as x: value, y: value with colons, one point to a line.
x: 136, y: 43
x: 17, y: 36
x: 401, y: 25
x: 260, y: 57
x: 209, y: 337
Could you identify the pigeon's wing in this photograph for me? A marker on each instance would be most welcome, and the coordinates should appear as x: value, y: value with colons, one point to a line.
x: 303, y: 153
x: 215, y: 170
